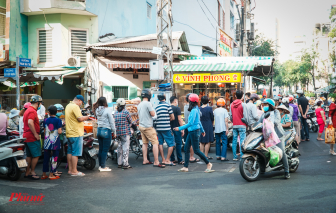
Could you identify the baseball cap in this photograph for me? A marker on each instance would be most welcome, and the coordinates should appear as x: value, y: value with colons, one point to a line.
x: 80, y: 97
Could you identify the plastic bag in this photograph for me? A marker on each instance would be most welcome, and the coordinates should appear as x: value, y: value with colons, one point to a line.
x: 275, y: 156
x: 271, y: 138
x: 329, y: 135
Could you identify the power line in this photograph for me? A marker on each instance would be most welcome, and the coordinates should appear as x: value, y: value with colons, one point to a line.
x: 104, y: 17
x: 193, y: 29
x: 209, y: 11
x: 205, y: 14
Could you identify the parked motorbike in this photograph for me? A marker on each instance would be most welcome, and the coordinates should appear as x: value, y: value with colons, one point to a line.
x: 12, y: 134
x: 255, y: 160
x: 136, y: 143
x: 311, y: 120
x: 12, y: 162
x: 89, y: 155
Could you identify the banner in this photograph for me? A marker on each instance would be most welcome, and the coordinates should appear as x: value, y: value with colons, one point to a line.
x: 225, y: 44
x: 208, y: 78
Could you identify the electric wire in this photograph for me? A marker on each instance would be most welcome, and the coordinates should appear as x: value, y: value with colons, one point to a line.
x: 104, y: 16
x: 209, y: 11
x: 194, y: 29
x: 205, y: 14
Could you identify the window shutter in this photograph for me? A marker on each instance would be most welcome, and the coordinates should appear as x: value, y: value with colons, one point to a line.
x: 45, y: 46
x: 2, y: 21
x: 120, y: 92
x: 78, y: 41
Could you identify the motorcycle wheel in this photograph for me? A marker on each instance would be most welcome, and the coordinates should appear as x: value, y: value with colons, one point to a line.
x: 91, y: 163
x: 14, y: 172
x: 292, y: 170
x: 246, y: 170
x: 314, y: 128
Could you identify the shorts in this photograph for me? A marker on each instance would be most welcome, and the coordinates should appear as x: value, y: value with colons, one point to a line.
x: 166, y: 136
x: 33, y: 149
x: 148, y: 134
x: 75, y: 146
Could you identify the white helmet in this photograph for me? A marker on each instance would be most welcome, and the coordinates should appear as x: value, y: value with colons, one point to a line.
x: 285, y: 100
x: 299, y: 91
x: 121, y: 102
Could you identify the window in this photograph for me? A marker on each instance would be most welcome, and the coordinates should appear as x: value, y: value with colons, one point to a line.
x: 149, y: 10
x: 78, y: 41
x: 120, y: 92
x: 231, y: 20
x: 219, y: 15
x: 45, y: 46
x: 223, y: 20
x: 2, y: 21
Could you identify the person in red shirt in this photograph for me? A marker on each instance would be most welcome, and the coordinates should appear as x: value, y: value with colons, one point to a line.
x: 31, y: 131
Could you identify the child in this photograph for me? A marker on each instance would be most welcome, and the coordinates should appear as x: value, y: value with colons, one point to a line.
x: 221, y: 129
x: 52, y: 144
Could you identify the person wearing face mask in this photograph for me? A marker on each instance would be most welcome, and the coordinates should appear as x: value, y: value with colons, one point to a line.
x: 252, y: 109
x: 269, y: 106
x: 74, y: 132
x: 31, y: 131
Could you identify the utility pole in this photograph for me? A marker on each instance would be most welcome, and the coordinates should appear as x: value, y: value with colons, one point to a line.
x: 17, y: 79
x: 164, y: 23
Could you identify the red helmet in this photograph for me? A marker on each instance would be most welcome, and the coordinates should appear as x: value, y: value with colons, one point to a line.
x: 193, y: 98
x: 290, y: 98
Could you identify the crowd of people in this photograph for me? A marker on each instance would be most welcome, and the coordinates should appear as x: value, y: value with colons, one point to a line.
x: 157, y: 125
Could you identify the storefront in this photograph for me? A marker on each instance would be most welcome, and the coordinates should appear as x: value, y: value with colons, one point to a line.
x: 217, y: 77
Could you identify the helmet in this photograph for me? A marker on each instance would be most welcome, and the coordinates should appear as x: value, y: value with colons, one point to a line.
x: 276, y: 98
x: 146, y: 93
x: 290, y: 98
x: 299, y: 91
x: 193, y: 98
x: 285, y: 100
x: 121, y: 102
x: 269, y: 101
x: 161, y: 97
x: 187, y: 97
x: 220, y: 102
x: 35, y: 98
x: 26, y: 105
x: 59, y: 107
x: 255, y: 96
x: 258, y: 102
x: 260, y: 96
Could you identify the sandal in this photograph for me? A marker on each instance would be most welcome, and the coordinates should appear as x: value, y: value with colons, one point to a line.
x: 147, y: 163
x: 210, y: 158
x: 225, y: 159
x: 160, y: 166
x: 33, y: 177
x: 181, y: 163
x: 44, y: 177
x: 127, y: 167
x: 119, y: 166
x: 194, y: 161
x: 182, y: 170
x: 218, y: 158
x: 54, y: 178
x: 171, y: 164
x: 209, y: 171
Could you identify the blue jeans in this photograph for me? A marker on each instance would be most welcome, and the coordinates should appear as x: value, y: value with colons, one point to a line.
x: 104, y: 139
x: 242, y: 135
x: 305, y: 129
x: 221, y: 152
x: 178, y: 143
x: 193, y: 140
x: 166, y: 136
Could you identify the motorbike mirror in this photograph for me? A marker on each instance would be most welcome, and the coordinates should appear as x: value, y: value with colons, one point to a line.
x: 267, y: 114
x: 244, y: 121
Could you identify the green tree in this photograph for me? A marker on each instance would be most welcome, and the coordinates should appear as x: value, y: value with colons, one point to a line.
x: 308, y: 63
x: 263, y: 46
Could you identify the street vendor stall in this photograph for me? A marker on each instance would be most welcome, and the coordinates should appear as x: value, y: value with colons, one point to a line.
x: 217, y: 77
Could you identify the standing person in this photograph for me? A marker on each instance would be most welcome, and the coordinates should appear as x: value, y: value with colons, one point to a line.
x: 207, y: 120
x: 322, y: 122
x: 164, y: 115
x: 221, y: 127
x: 269, y: 106
x: 104, y: 132
x: 3, y: 126
x: 252, y: 112
x: 238, y: 111
x: 52, y: 144
x: 295, y: 116
x: 332, y: 121
x: 177, y: 134
x: 247, y: 96
x: 123, y: 122
x: 186, y: 116
x: 303, y: 107
x: 25, y: 107
x: 195, y: 128
x: 41, y: 112
x: 148, y: 133
x: 74, y: 132
x: 31, y: 132
x: 14, y: 119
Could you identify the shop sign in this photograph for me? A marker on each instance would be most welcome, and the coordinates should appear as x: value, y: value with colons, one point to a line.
x: 225, y: 44
x: 25, y: 62
x: 208, y: 78
x: 9, y: 72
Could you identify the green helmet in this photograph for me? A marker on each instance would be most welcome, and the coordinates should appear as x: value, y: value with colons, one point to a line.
x: 35, y: 98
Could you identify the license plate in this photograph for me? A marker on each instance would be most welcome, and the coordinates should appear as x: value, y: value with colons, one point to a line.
x: 140, y: 141
x: 92, y: 152
x: 21, y: 163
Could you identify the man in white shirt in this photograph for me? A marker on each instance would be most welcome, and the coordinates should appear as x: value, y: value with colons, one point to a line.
x: 221, y: 127
x: 41, y: 112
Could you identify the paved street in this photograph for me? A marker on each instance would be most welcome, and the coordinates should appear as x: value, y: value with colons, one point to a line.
x: 148, y: 189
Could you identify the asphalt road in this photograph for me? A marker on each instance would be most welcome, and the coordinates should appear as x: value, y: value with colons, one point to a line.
x: 148, y: 189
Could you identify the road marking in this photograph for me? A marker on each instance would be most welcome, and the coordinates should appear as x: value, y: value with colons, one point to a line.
x: 25, y: 184
x: 4, y: 200
x: 232, y: 169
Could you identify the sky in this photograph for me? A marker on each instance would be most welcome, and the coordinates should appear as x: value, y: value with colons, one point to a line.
x: 296, y: 18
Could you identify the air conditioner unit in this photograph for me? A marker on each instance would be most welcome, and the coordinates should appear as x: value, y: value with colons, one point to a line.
x: 73, y: 61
